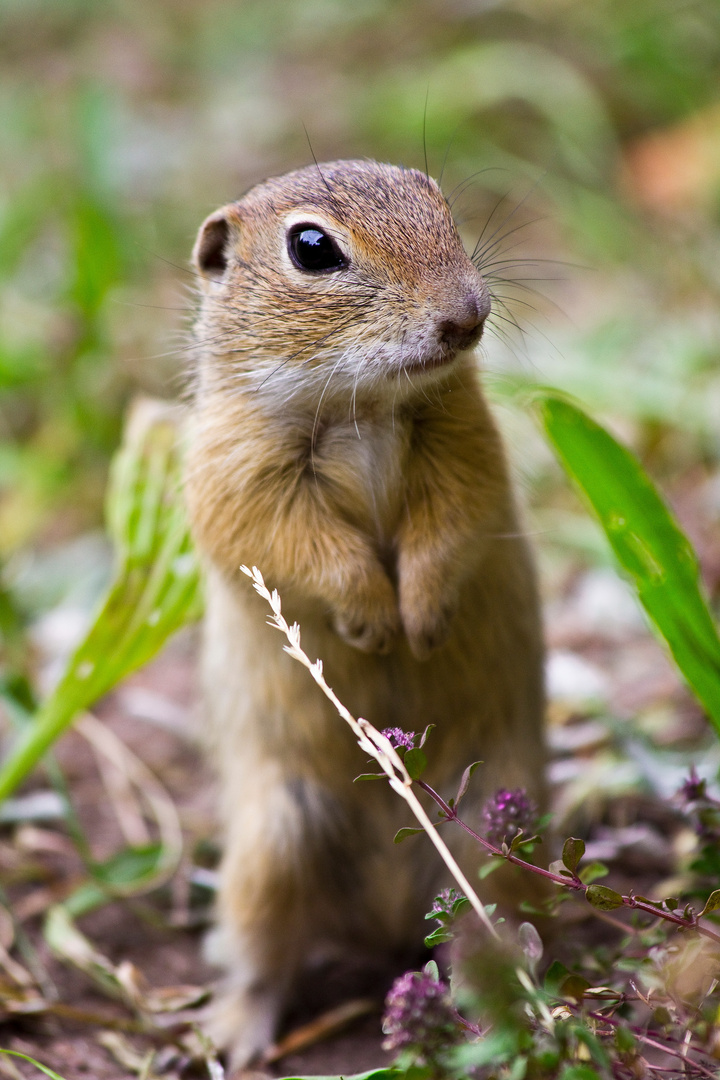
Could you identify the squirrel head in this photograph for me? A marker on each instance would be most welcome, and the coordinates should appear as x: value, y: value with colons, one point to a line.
x: 348, y: 276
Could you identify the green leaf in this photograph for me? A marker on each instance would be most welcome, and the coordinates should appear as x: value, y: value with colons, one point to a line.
x: 415, y: 762
x: 646, y: 539
x: 592, y: 872
x: 438, y: 937
x: 597, y: 1050
x: 402, y: 834
x: 579, y: 1072
x: 624, y: 1040
x: 489, y: 868
x: 712, y: 903
x: 462, y: 905
x: 42, y: 1068
x: 520, y: 842
x: 465, y: 780
x: 555, y: 976
x: 130, y: 870
x: 156, y: 588
x: 572, y: 853
x: 574, y: 987
x: 426, y: 732
x: 603, y: 898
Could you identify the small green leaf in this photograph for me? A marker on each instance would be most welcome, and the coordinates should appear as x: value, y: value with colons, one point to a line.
x: 426, y: 732
x: 597, y: 1051
x: 370, y: 776
x: 555, y: 977
x: 712, y: 903
x: 574, y: 987
x: 603, y: 898
x: 592, y: 872
x: 415, y: 762
x: 672, y: 902
x: 520, y: 842
x: 462, y: 904
x: 402, y: 834
x: 431, y: 969
x: 573, y: 851
x: 624, y: 1040
x: 579, y: 1072
x: 438, y: 937
x: 488, y: 868
x: 42, y: 1068
x: 543, y: 822
x: 465, y: 780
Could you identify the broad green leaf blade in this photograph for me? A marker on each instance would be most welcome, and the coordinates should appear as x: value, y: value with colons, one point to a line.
x: 156, y: 589
x: 646, y: 539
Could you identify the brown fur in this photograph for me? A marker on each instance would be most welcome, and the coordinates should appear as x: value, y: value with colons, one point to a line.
x: 340, y: 442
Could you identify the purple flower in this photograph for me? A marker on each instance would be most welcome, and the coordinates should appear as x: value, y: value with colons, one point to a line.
x: 419, y: 1017
x: 400, y: 738
x: 443, y: 902
x: 506, y: 813
x: 693, y: 788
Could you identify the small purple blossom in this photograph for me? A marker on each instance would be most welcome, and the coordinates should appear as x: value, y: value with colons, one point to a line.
x: 506, y: 813
x: 693, y: 788
x: 443, y: 902
x: 419, y: 1017
x: 400, y: 738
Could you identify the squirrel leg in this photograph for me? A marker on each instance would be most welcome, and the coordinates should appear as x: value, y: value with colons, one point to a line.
x: 259, y: 938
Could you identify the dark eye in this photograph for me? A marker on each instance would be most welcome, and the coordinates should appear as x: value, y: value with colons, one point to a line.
x: 312, y: 249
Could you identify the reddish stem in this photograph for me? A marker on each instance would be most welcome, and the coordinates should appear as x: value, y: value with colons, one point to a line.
x: 574, y: 883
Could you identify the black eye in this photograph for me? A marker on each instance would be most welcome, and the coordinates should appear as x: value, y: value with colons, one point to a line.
x: 312, y: 249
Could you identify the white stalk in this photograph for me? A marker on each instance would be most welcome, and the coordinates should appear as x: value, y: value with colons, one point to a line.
x: 369, y: 739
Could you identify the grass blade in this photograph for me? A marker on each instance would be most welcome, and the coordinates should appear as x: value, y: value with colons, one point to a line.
x: 156, y: 589
x: 646, y: 539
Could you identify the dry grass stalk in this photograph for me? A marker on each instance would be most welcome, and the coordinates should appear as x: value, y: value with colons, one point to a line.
x: 369, y: 739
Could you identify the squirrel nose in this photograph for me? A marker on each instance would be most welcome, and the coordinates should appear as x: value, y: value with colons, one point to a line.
x: 463, y: 328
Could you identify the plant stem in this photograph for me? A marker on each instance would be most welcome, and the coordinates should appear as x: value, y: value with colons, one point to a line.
x: 574, y: 883
x: 371, y: 741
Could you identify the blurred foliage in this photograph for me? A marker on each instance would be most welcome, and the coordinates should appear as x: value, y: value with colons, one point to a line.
x: 155, y: 589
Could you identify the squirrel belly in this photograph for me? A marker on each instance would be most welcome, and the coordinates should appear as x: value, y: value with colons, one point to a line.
x: 340, y: 441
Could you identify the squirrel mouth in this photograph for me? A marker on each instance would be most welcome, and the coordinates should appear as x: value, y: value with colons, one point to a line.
x: 446, y: 349
x: 419, y: 364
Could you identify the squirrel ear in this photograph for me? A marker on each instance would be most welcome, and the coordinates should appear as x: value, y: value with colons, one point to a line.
x: 210, y: 254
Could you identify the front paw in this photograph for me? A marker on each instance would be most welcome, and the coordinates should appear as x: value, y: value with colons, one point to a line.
x: 427, y: 625
x: 371, y: 624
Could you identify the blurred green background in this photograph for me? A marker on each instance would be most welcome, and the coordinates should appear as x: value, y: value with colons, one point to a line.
x: 594, y: 127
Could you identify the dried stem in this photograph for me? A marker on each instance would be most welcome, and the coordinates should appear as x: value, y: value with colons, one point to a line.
x: 370, y: 740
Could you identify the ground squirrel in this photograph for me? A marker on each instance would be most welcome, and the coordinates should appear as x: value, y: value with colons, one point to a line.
x: 340, y: 441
